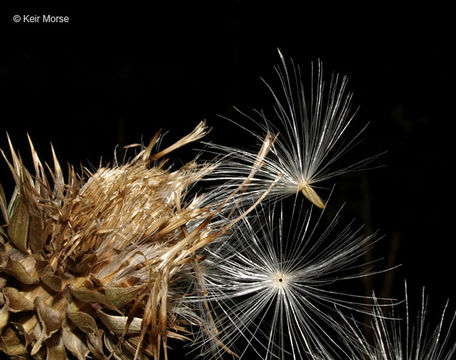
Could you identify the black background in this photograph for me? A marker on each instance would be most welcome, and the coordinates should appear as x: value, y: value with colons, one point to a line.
x: 117, y: 75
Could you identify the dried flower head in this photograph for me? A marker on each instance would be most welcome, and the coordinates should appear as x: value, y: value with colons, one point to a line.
x: 90, y: 265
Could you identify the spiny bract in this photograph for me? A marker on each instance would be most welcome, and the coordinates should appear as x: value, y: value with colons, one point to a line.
x: 88, y: 264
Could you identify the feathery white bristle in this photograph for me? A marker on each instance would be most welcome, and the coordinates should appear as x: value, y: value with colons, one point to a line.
x: 404, y: 338
x: 268, y: 285
x: 312, y: 125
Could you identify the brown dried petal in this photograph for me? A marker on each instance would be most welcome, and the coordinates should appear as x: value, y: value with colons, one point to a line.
x: 3, y: 238
x: 55, y: 348
x: 17, y: 301
x: 57, y: 176
x: 35, y: 234
x: 11, y: 344
x: 89, y: 296
x: 83, y: 321
x: 50, y: 321
x: 118, y: 354
x: 17, y: 270
x: 120, y: 296
x: 47, y: 276
x: 3, y: 282
x: 74, y: 344
x: 18, y: 226
x: 21, y: 330
x: 3, y: 205
x: 95, y: 345
x: 4, y: 313
x: 52, y: 281
x: 117, y: 324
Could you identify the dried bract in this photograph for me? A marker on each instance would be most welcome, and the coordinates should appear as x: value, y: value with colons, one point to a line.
x: 89, y: 264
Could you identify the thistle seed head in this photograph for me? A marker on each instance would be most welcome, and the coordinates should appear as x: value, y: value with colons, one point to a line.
x: 94, y: 264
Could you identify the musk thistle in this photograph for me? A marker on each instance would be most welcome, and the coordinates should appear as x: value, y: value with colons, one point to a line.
x: 112, y: 263
x: 92, y: 264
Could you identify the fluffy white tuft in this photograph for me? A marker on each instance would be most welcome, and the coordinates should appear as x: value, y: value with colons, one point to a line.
x: 312, y: 136
x: 271, y: 290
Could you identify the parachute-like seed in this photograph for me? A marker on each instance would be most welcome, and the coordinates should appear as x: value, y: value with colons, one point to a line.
x: 311, y: 124
x: 404, y: 338
x: 269, y: 284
